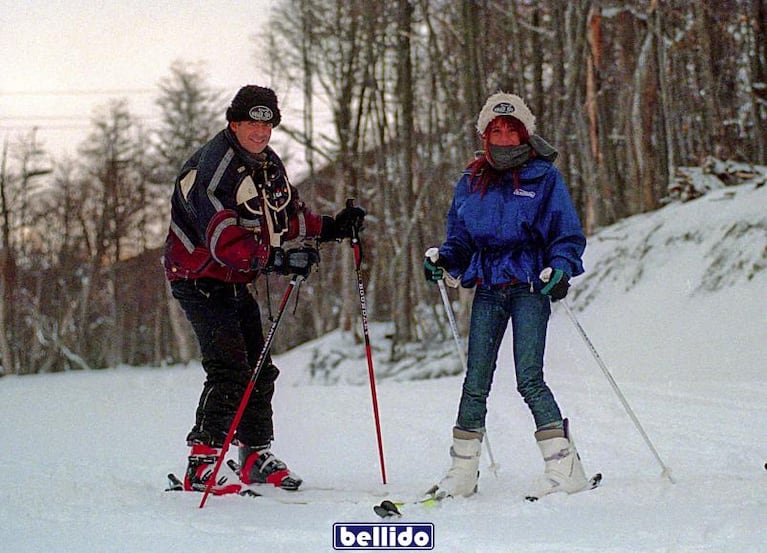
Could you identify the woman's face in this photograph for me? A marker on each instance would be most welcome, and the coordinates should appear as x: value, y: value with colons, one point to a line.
x: 500, y: 132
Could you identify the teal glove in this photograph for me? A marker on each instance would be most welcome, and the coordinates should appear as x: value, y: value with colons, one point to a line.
x: 433, y: 272
x: 557, y: 283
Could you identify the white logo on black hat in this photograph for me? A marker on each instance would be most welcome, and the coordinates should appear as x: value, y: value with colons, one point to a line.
x: 261, y: 113
x: 504, y: 108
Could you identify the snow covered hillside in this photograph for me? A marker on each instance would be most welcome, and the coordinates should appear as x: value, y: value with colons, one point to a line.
x: 674, y: 301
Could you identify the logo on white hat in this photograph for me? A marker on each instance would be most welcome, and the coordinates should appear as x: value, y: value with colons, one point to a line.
x: 503, y: 103
x: 504, y: 108
x: 261, y: 113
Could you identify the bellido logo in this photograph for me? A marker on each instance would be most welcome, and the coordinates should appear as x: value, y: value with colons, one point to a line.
x: 382, y: 536
x: 504, y: 108
x: 260, y: 113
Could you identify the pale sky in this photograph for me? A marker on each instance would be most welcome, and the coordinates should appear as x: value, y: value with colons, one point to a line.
x: 55, y: 53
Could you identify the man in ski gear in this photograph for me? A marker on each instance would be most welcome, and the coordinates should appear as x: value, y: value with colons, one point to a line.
x: 513, y: 232
x: 235, y: 216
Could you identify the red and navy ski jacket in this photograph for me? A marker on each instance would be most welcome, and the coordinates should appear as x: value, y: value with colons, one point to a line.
x: 228, y: 209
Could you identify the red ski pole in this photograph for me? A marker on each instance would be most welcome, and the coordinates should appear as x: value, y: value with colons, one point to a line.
x: 246, y: 396
x: 368, y: 351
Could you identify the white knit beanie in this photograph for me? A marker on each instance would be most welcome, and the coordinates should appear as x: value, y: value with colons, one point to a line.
x: 503, y: 103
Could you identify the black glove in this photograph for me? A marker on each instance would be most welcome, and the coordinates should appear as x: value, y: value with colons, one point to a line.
x: 276, y: 261
x: 557, y: 283
x: 329, y: 231
x: 299, y: 261
x: 349, y: 221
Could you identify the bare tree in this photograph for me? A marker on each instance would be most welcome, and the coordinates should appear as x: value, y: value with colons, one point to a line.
x: 756, y: 30
x: 191, y: 113
x: 625, y: 90
x: 15, y: 192
x: 7, y: 272
x: 111, y: 154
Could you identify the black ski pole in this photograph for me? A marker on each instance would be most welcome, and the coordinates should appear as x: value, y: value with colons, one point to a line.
x: 368, y: 351
x: 294, y: 280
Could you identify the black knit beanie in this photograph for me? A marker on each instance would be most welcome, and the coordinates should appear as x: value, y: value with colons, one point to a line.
x: 254, y: 103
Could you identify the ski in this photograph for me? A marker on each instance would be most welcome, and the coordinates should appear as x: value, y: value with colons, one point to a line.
x: 593, y: 482
x: 176, y: 485
x: 389, y: 508
x: 269, y: 493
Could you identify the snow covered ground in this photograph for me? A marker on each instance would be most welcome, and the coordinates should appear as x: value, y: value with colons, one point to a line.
x: 674, y: 301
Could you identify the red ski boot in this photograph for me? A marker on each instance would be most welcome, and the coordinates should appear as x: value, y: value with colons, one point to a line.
x: 202, y: 459
x: 258, y: 465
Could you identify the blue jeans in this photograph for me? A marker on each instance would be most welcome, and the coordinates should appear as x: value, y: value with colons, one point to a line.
x: 490, y: 313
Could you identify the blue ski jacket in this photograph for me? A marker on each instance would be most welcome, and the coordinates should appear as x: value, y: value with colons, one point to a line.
x: 512, y: 232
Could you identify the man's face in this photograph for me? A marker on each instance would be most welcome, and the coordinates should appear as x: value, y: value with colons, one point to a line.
x: 252, y: 135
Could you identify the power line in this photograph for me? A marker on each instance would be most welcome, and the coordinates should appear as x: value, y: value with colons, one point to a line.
x: 58, y: 122
x: 78, y: 92
x: 90, y: 91
x: 55, y: 123
x: 44, y: 127
x: 64, y: 117
x: 39, y: 117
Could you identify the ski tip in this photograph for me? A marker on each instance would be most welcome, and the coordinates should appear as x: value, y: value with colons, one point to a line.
x: 433, y: 500
x: 174, y: 484
x: 386, y: 504
x: 592, y: 483
x: 381, y: 512
x: 387, y: 509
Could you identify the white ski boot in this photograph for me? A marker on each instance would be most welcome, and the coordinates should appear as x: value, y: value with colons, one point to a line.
x: 462, y: 476
x: 563, y: 470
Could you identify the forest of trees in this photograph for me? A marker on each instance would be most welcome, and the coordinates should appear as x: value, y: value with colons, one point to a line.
x: 626, y: 90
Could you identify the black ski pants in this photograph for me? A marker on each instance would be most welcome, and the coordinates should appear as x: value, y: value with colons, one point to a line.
x: 227, y: 322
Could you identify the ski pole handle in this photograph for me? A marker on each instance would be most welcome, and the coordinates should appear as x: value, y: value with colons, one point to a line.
x: 355, y: 238
x: 432, y: 254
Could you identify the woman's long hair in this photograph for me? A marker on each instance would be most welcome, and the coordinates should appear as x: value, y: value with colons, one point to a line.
x: 483, y: 174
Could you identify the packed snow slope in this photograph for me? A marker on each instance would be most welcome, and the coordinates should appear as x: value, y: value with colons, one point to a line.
x: 675, y: 303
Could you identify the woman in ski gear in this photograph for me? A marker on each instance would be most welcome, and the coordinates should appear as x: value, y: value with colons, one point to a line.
x: 514, y: 234
x: 235, y: 216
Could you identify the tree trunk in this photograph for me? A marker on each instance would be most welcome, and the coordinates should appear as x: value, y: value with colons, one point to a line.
x: 759, y: 75
x: 402, y: 309
x: 182, y: 330
x: 7, y: 270
x: 6, y: 266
